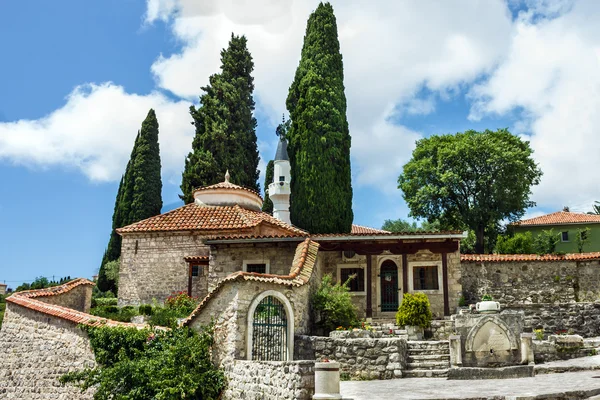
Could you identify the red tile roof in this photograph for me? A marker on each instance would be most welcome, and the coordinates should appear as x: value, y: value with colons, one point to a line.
x: 28, y: 300
x: 560, y: 218
x: 357, y: 229
x: 193, y: 217
x: 385, y: 233
x: 198, y: 259
x: 528, y: 257
x: 226, y: 185
x: 300, y: 273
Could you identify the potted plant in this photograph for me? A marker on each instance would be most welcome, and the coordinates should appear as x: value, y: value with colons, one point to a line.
x: 415, y: 314
x: 487, y: 305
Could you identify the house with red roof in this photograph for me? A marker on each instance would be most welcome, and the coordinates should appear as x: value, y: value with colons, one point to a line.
x: 567, y: 226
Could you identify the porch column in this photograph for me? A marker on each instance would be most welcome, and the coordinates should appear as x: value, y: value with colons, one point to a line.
x: 369, y: 310
x: 445, y: 283
x: 404, y: 274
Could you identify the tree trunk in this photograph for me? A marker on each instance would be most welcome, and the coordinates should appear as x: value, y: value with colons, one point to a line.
x: 479, y: 239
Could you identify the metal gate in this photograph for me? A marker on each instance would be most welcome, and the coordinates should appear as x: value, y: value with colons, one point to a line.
x: 269, y: 333
x: 389, y: 286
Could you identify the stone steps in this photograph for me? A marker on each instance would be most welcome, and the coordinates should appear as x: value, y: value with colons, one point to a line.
x: 428, y: 359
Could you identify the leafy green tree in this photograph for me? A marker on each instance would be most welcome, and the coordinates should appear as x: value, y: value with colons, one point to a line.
x: 400, y: 225
x: 319, y: 139
x: 268, y: 203
x: 582, y: 238
x: 139, y: 195
x: 332, y: 305
x: 545, y: 242
x: 595, y: 208
x: 519, y: 243
x: 225, y: 136
x: 470, y: 180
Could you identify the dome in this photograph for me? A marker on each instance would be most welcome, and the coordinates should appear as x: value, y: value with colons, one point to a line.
x: 227, y: 194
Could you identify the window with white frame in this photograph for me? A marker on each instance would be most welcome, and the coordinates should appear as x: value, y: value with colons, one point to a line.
x: 257, y: 266
x: 425, y: 276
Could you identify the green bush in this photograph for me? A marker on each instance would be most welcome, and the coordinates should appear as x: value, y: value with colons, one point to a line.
x: 520, y: 243
x: 115, y: 313
x: 145, y: 309
x: 144, y: 364
x: 332, y: 305
x: 546, y: 241
x: 415, y: 310
x: 105, y: 301
x: 486, y: 297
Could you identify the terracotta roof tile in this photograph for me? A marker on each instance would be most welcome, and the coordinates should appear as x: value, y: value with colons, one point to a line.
x: 357, y: 229
x: 385, y: 233
x: 528, y: 257
x: 560, y: 218
x: 28, y: 300
x: 226, y: 185
x: 197, y: 259
x: 304, y: 261
x: 193, y: 217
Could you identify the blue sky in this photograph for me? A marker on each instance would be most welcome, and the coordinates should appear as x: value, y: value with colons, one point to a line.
x: 77, y: 79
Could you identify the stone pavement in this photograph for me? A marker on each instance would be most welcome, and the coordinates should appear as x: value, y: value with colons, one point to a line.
x: 564, y: 386
x: 575, y: 364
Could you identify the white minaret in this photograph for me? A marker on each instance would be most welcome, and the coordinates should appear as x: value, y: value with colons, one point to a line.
x: 279, y: 190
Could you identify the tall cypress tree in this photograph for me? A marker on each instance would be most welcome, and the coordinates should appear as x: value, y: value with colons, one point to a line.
x: 139, y: 195
x: 225, y: 126
x: 267, y: 203
x: 319, y: 139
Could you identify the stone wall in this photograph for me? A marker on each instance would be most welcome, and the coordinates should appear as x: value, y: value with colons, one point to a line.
x: 440, y: 329
x: 363, y: 358
x: 270, y: 380
x: 532, y: 281
x: 226, y: 259
x: 38, y: 349
x: 153, y: 266
x: 578, y: 318
x: 79, y: 298
x: 229, y: 307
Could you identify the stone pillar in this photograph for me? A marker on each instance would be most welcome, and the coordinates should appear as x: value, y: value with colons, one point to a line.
x: 455, y: 351
x: 327, y: 380
x: 527, y: 348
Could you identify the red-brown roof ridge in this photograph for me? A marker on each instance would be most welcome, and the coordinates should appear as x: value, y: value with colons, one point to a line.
x: 560, y: 218
x: 529, y: 257
x: 227, y: 185
x: 366, y: 229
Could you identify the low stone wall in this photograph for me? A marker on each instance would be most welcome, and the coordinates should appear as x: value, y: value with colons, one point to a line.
x: 440, y: 329
x: 270, y: 380
x: 79, y: 298
x: 561, y: 347
x: 577, y: 318
x: 36, y: 350
x: 363, y: 358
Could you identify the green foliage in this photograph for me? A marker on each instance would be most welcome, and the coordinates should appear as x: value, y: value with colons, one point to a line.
x: 178, y: 305
x: 104, y: 301
x: 139, y: 196
x: 2, y: 308
x: 462, y: 302
x: 400, y: 225
x: 332, y: 305
x: 42, y: 282
x: 582, y: 238
x: 467, y: 245
x: 539, y: 333
x: 319, y: 139
x: 470, y: 180
x: 414, y: 310
x: 545, y: 242
x: 122, y: 314
x: 146, y: 309
x: 486, y: 297
x: 519, y: 243
x: 143, y: 364
x: 225, y: 136
x: 595, y: 208
x: 268, y: 203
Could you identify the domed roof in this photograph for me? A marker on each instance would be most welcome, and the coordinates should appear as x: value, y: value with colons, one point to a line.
x: 227, y: 194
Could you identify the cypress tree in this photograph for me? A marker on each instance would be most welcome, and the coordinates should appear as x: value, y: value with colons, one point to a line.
x: 139, y: 195
x: 267, y: 203
x: 319, y: 139
x: 225, y: 136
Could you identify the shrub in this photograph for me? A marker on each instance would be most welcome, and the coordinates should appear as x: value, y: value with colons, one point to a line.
x: 520, y: 243
x: 539, y: 333
x: 462, y: 302
x: 145, y: 309
x: 105, y: 301
x: 415, y: 310
x: 181, y: 301
x: 332, y: 305
x: 115, y: 313
x: 487, y: 297
x: 545, y: 242
x: 145, y: 364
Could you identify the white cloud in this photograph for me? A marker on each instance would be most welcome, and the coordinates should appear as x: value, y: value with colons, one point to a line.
x: 552, y: 74
x: 391, y: 51
x: 95, y: 131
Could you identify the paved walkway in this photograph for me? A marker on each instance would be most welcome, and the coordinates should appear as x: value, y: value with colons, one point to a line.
x: 568, y: 385
x: 574, y: 364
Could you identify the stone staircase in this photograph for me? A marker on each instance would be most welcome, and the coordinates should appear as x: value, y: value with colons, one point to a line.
x: 428, y: 359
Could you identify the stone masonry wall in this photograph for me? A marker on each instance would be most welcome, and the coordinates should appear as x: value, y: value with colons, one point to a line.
x: 532, y: 282
x: 363, y: 358
x: 229, y: 307
x: 578, y: 318
x: 153, y: 266
x: 36, y: 350
x: 270, y: 380
x: 78, y: 298
x: 227, y: 259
